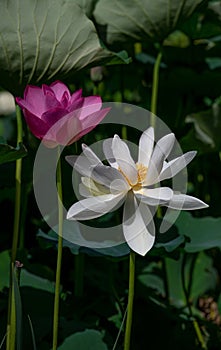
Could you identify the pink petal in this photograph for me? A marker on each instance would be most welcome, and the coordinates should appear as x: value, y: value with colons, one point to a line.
x: 38, y: 127
x: 48, y: 91
x: 91, y: 104
x: 75, y: 96
x: 22, y: 103
x: 38, y: 100
x: 63, y: 131
x: 50, y: 99
x: 35, y: 100
x: 58, y: 117
x: 49, y: 143
x: 69, y: 130
x: 91, y: 122
x: 60, y: 89
x: 76, y: 105
x: 53, y: 115
x: 65, y: 100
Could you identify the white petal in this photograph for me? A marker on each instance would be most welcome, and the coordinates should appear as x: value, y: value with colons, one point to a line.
x: 94, y: 207
x: 107, y: 149
x: 154, y: 196
x: 124, y: 160
x: 160, y: 153
x: 185, y: 202
x: 92, y: 187
x: 110, y: 177
x: 146, y: 146
x: 169, y: 219
x: 91, y: 156
x: 81, y: 164
x: 138, y: 227
x: 173, y: 167
x: 84, y: 192
x: 100, y: 173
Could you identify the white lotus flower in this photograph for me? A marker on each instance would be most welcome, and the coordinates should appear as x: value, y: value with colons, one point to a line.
x: 105, y: 187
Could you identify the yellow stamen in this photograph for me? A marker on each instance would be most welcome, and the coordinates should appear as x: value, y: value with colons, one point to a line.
x: 141, y: 176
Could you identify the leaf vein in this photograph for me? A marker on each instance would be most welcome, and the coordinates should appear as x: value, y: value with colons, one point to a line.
x: 50, y: 60
x: 20, y: 44
x: 38, y: 37
x: 137, y: 24
x: 147, y: 16
x: 5, y: 51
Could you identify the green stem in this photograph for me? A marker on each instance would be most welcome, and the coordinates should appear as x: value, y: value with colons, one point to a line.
x: 154, y: 97
x: 95, y: 89
x: 184, y: 284
x: 11, y: 324
x: 153, y: 109
x: 165, y: 280
x: 191, y: 270
x: 59, y: 255
x: 132, y: 254
x: 17, y: 189
x: 124, y: 132
x: 153, y: 106
x: 130, y: 301
x: 187, y: 296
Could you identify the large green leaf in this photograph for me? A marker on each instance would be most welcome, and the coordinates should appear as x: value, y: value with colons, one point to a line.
x: 204, y: 278
x: 151, y: 277
x: 9, y: 153
x: 207, y: 126
x: 4, y: 269
x: 141, y: 19
x: 71, y: 229
x: 87, y: 340
x: 200, y: 27
x: 27, y: 279
x: 204, y: 233
x: 45, y: 40
x: 87, y: 6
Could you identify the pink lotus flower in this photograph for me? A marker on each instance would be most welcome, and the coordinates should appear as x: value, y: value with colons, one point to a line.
x: 57, y: 117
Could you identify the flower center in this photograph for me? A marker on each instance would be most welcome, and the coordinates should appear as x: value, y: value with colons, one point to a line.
x: 141, y: 176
